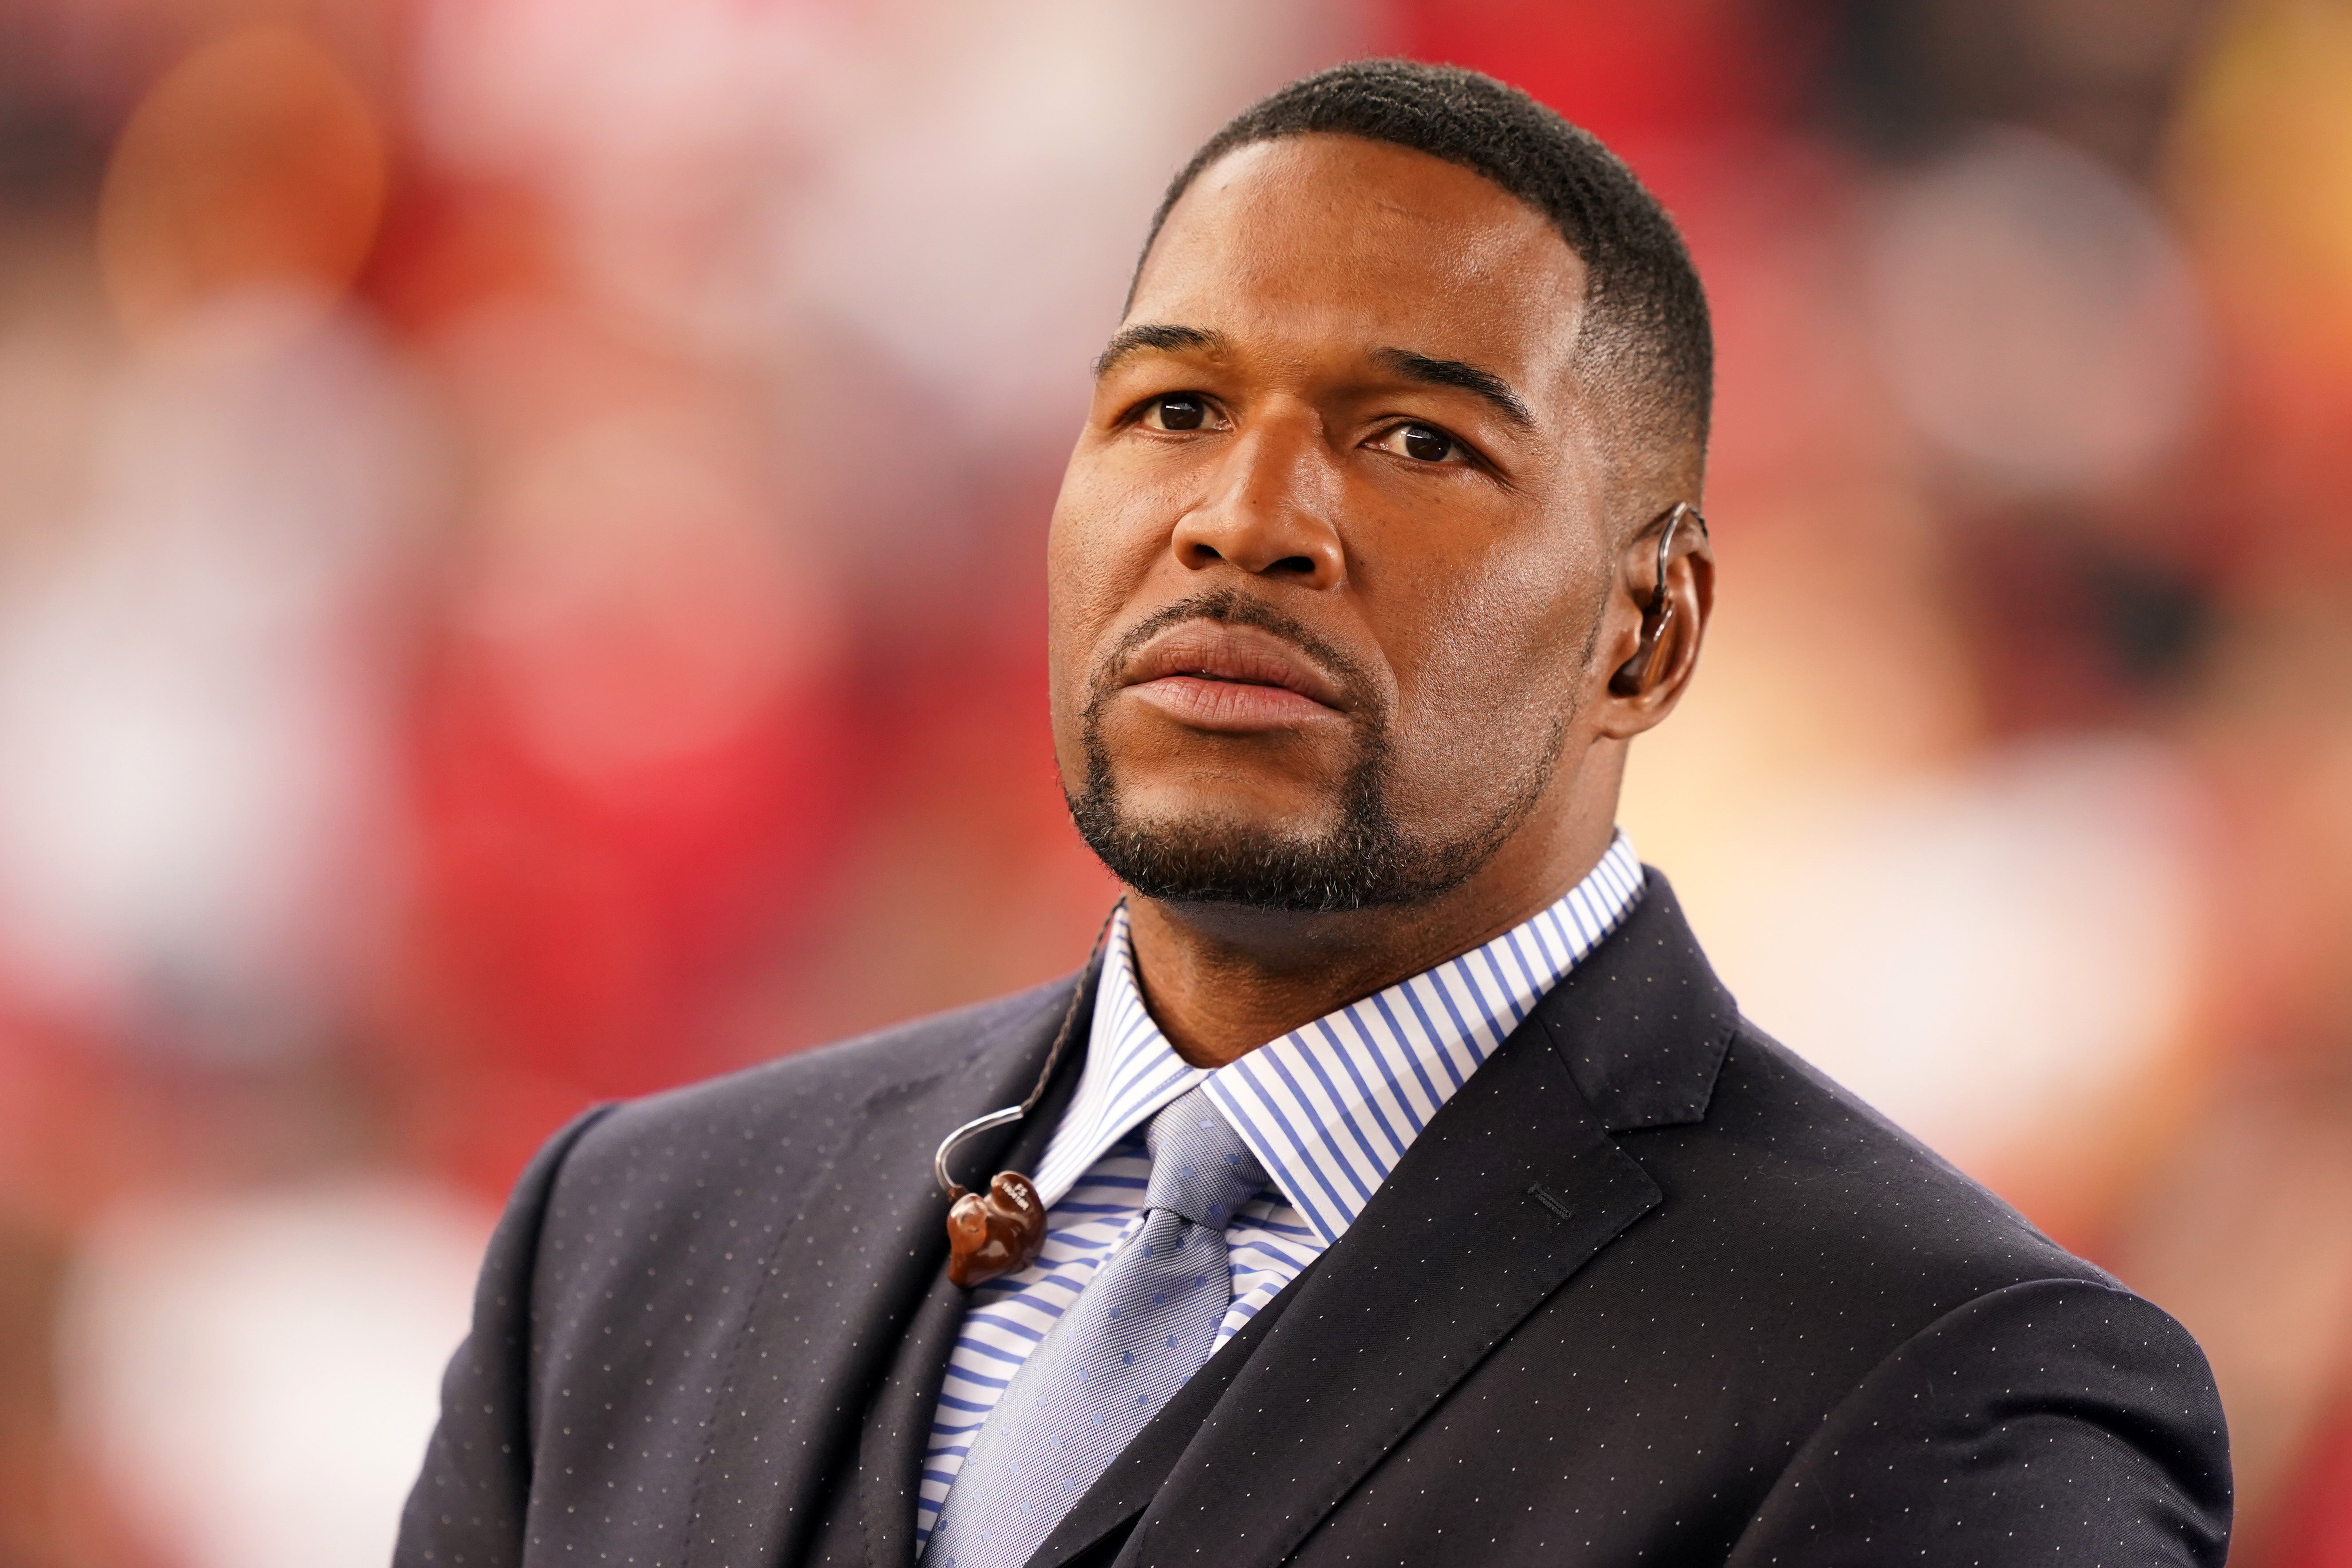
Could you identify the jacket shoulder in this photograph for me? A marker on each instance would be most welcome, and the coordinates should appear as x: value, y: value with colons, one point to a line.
x: 647, y: 1175
x: 674, y: 1202
x: 815, y: 1089
x: 1809, y: 1171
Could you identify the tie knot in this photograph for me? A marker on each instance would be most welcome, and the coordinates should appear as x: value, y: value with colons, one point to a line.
x: 1201, y: 1169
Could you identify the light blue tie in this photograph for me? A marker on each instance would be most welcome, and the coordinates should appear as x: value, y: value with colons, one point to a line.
x: 1136, y: 1334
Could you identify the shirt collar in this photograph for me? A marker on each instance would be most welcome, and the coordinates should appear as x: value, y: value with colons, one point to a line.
x: 1330, y: 1108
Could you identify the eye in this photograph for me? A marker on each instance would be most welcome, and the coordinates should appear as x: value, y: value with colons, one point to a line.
x: 1422, y: 444
x: 1177, y: 411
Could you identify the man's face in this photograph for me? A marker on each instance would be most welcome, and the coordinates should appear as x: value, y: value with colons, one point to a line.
x: 1329, y: 559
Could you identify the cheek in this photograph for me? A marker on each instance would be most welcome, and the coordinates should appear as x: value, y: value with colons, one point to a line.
x: 1073, y: 623
x: 1096, y: 553
x: 1499, y: 665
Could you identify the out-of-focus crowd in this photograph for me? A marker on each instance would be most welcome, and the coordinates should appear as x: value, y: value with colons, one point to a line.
x: 519, y: 584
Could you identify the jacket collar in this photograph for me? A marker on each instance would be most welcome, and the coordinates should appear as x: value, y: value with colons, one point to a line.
x: 1642, y: 1026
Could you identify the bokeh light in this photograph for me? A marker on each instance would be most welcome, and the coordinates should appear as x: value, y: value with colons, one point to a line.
x: 255, y: 158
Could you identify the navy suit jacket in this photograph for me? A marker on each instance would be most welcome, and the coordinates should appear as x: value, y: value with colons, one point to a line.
x: 1647, y: 1289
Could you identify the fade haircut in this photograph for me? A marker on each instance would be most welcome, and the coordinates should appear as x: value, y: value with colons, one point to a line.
x: 1645, y: 334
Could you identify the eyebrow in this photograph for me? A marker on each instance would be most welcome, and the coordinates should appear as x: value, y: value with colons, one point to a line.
x: 1455, y: 372
x: 1424, y: 368
x: 1155, y: 335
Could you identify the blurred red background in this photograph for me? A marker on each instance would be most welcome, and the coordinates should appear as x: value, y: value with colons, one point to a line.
x: 519, y: 584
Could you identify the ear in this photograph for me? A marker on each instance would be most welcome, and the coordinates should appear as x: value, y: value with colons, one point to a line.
x: 1658, y: 611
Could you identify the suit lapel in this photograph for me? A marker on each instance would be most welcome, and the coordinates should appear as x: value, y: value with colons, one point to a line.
x: 899, y: 1427
x: 1514, y: 1185
x: 831, y: 1305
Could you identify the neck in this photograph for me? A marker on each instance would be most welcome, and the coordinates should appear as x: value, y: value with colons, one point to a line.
x: 1222, y: 980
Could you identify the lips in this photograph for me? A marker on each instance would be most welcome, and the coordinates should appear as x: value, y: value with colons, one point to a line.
x: 1219, y: 675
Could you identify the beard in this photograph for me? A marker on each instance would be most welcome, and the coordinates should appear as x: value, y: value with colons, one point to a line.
x: 1361, y: 857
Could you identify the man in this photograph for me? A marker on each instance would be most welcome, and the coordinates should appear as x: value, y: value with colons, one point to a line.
x: 1416, y: 1194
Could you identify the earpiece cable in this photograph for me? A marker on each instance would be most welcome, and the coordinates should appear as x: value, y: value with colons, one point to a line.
x: 1012, y: 1114
x: 1682, y: 510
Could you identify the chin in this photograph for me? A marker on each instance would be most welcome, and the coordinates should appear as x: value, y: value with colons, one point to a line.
x: 1225, y: 806
x: 1327, y: 861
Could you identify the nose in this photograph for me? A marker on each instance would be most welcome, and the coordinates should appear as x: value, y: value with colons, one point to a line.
x: 1270, y: 510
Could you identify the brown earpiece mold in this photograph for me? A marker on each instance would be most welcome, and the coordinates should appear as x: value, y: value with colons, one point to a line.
x: 998, y: 1232
x: 1003, y: 1229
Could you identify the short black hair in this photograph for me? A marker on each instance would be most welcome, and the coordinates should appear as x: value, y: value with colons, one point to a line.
x: 1646, y: 326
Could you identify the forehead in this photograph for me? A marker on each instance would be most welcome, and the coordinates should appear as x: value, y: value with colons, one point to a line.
x: 1324, y: 242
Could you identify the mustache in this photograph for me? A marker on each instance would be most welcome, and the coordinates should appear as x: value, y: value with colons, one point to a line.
x: 1229, y: 606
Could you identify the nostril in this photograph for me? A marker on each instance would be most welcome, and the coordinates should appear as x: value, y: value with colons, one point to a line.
x: 1298, y: 563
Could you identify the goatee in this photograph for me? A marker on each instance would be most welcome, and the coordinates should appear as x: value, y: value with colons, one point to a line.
x: 1361, y: 857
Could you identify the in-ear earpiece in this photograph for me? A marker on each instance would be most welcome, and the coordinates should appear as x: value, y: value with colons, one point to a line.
x: 1633, y: 675
x: 998, y: 1232
x: 1002, y: 1231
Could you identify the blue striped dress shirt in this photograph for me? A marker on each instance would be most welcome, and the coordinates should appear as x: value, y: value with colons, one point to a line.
x: 1328, y: 1110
